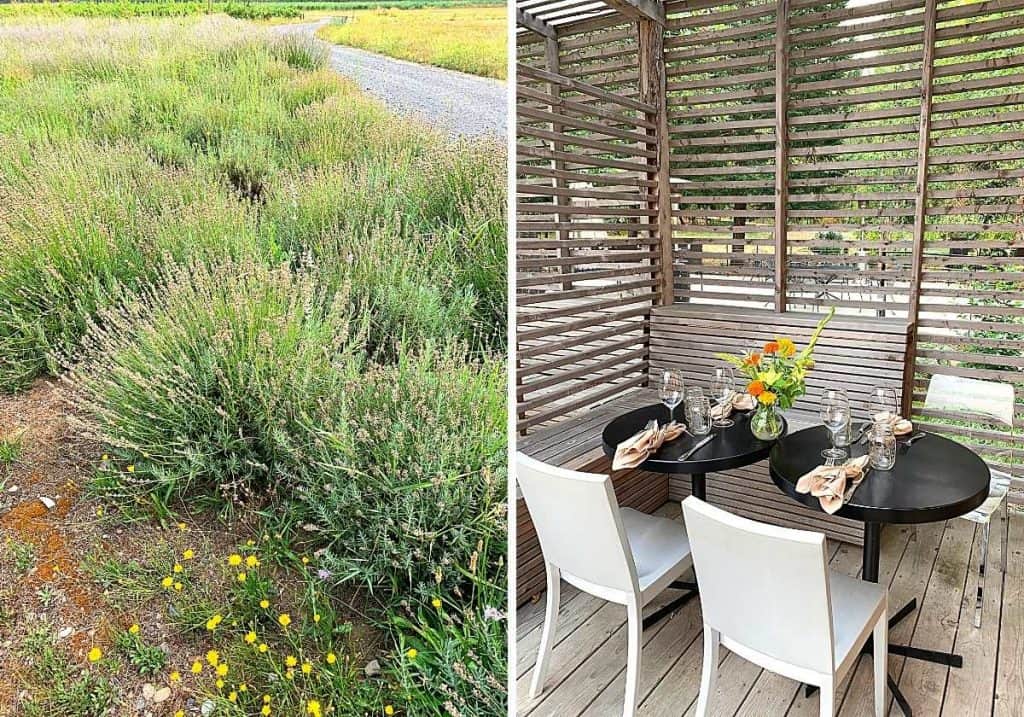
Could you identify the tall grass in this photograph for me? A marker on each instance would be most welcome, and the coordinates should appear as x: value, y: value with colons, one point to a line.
x: 468, y: 39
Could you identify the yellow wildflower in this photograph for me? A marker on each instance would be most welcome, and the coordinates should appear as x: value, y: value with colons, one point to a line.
x: 178, y: 567
x: 242, y: 577
x: 306, y: 668
x: 131, y: 469
x: 266, y: 699
x: 105, y: 457
x: 179, y: 713
x: 289, y: 674
x: 99, y: 512
x: 197, y: 667
x: 178, y: 586
x: 222, y: 669
x: 243, y: 687
x: 233, y: 696
x: 331, y: 658
x: 264, y: 604
x: 316, y: 617
x: 167, y: 582
x: 305, y: 560
x: 285, y: 619
x: 250, y: 637
x: 436, y: 602
x: 265, y: 711
x: 389, y: 710
x: 263, y: 647
x: 213, y: 657
x: 175, y: 676
x: 182, y: 526
x: 189, y: 554
x: 134, y: 629
x: 95, y: 654
x: 219, y: 683
x: 252, y: 561
x: 291, y: 661
x: 313, y: 708
x: 412, y: 652
x: 213, y: 622
x: 234, y: 560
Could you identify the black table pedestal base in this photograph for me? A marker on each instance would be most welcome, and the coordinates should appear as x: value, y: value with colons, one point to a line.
x: 657, y: 615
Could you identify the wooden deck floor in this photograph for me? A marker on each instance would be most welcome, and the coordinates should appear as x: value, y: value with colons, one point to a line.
x: 938, y: 567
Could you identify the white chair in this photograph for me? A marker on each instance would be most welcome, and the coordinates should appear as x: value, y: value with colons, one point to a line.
x: 617, y: 554
x: 767, y: 595
x: 979, y: 402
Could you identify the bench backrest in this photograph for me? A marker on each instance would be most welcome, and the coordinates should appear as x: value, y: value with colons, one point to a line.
x: 858, y: 354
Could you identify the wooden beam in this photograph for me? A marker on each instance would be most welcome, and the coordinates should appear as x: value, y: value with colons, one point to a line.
x: 921, y: 201
x: 653, y: 10
x: 534, y: 23
x: 653, y: 84
x: 781, y: 150
x: 554, y: 66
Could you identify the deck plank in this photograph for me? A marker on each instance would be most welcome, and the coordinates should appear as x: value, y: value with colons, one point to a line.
x: 1009, y: 694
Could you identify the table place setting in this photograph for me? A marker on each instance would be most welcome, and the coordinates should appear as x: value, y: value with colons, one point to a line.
x: 828, y: 483
x: 641, y: 446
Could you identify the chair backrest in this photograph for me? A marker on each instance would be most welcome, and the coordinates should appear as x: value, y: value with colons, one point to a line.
x: 578, y: 524
x: 763, y: 587
x: 980, y: 405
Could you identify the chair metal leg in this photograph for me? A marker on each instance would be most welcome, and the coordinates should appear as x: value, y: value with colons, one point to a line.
x: 635, y: 629
x: 1004, y: 529
x: 708, y: 671
x: 547, y: 637
x: 979, y: 603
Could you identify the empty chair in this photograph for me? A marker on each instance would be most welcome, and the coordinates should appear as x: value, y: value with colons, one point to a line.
x: 766, y: 594
x: 979, y: 406
x: 617, y: 554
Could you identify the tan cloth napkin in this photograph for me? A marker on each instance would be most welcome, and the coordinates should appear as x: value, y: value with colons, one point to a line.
x: 634, y: 451
x: 737, y: 401
x: 828, y: 483
x: 900, y: 426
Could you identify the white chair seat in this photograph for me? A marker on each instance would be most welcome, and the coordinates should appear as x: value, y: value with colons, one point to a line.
x: 998, y: 489
x: 855, y: 604
x: 661, y: 550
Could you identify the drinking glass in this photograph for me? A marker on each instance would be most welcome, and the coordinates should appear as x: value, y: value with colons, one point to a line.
x: 835, y: 413
x: 698, y: 412
x: 883, y: 401
x: 721, y: 391
x: 671, y: 391
x: 882, y: 446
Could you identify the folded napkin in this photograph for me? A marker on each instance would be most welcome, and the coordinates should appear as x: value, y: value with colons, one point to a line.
x: 737, y: 401
x: 900, y: 426
x: 828, y: 483
x: 634, y: 451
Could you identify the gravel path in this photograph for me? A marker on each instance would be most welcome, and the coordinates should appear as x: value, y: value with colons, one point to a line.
x: 462, y: 104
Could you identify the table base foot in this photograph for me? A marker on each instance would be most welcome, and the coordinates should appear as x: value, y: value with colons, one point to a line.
x: 948, y: 659
x: 902, y: 613
x: 666, y: 610
x: 894, y: 691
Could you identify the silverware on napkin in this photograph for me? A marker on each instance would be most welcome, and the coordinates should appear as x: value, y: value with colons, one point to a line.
x: 700, y: 444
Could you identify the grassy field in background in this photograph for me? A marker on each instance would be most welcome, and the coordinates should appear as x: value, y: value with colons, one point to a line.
x: 468, y: 39
x: 276, y: 313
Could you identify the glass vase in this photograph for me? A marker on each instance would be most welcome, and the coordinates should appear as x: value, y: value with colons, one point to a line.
x: 766, y: 423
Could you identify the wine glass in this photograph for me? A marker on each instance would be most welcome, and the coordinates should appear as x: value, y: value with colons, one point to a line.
x: 671, y: 391
x: 835, y: 413
x: 883, y: 401
x: 721, y: 390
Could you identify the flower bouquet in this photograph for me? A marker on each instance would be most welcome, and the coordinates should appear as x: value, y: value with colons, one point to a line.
x: 777, y: 378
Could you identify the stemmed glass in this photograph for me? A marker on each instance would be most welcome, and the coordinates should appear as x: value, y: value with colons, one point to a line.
x: 721, y: 389
x: 834, y: 412
x: 883, y: 400
x: 671, y: 391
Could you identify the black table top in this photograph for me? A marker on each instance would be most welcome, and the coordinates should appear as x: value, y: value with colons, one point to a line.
x: 732, y: 447
x: 934, y: 479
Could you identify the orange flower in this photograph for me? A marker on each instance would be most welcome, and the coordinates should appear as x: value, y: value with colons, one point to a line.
x: 771, y: 347
x: 753, y: 359
x: 755, y: 388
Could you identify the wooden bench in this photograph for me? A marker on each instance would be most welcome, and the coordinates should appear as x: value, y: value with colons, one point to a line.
x: 858, y: 354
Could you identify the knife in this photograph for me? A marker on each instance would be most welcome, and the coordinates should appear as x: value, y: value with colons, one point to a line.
x: 700, y: 444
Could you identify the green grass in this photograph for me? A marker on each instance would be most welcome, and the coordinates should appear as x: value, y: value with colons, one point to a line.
x: 53, y: 683
x: 266, y: 294
x: 11, y: 446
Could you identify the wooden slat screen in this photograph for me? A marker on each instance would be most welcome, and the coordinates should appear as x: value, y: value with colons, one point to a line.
x: 586, y: 239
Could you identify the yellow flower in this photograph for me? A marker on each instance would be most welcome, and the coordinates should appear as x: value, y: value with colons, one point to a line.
x: 182, y: 526
x: 263, y: 647
x: 222, y: 669
x: 331, y: 658
x: 219, y: 683
x: 412, y: 652
x: 266, y: 699
x: 389, y: 710
x: 436, y: 602
x: 178, y: 567
x: 95, y: 654
x: 178, y: 586
x: 131, y: 469
x: 289, y: 674
x: 179, y: 713
x: 167, y: 582
x: 243, y: 687
x: 213, y: 622
x: 197, y: 667
x: 242, y: 577
x: 285, y: 619
x: 105, y: 457
x: 305, y: 560
x: 134, y: 629
x: 767, y: 398
x: 234, y: 560
x: 265, y: 711
x: 250, y: 542
x: 306, y: 668
x: 175, y: 676
x: 291, y: 661
x: 313, y: 708
x: 250, y: 637
x: 189, y: 554
x: 213, y: 657
x: 252, y: 561
x: 99, y: 512
x: 264, y: 604
x: 786, y: 347
x: 316, y: 617
x: 233, y: 697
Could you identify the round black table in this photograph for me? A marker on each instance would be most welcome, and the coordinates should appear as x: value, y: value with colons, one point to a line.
x: 730, y: 447
x: 934, y: 479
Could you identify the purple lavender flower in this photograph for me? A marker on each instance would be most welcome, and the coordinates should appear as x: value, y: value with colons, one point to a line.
x: 323, y: 573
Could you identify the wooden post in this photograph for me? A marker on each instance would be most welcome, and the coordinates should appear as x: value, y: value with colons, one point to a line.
x: 921, y: 201
x: 781, y: 149
x: 651, y: 46
x: 554, y: 66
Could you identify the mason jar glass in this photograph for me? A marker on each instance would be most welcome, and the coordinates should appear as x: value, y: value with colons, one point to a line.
x: 882, y: 446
